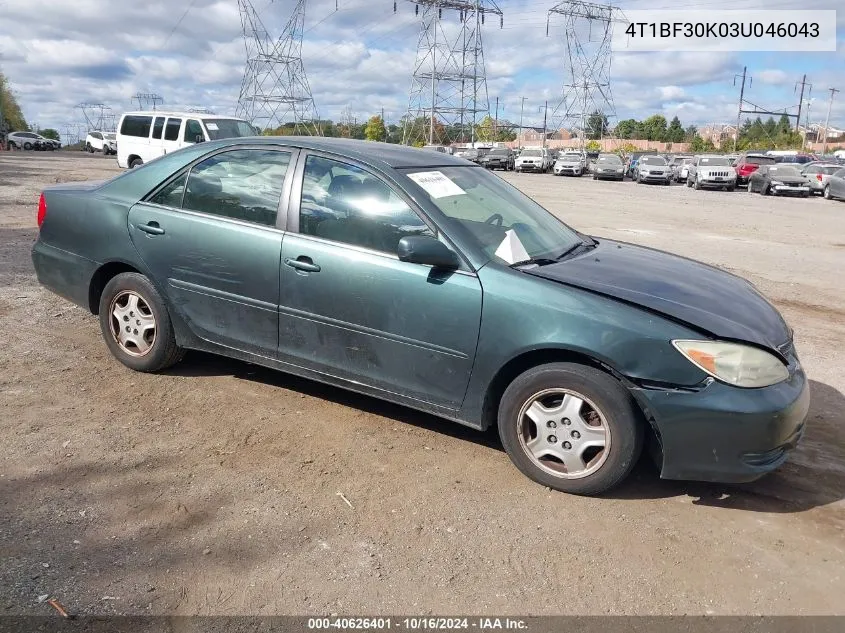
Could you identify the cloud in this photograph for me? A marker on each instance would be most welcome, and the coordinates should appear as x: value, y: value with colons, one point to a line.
x: 772, y: 76
x: 671, y: 93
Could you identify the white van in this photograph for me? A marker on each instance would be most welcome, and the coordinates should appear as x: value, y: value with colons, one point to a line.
x: 144, y: 136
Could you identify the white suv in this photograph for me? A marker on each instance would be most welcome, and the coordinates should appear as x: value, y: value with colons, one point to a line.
x: 105, y: 142
x: 31, y: 140
x: 534, y: 159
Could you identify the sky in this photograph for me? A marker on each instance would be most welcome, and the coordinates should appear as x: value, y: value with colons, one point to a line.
x: 360, y: 56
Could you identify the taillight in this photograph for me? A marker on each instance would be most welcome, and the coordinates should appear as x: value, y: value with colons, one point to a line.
x: 42, y: 210
x: 819, y: 177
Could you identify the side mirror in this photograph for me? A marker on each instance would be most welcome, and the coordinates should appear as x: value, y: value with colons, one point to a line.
x: 199, y: 138
x: 423, y: 249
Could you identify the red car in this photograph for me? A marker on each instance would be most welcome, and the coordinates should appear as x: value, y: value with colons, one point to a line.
x: 748, y: 164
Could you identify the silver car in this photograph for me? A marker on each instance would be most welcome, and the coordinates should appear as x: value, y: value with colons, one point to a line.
x: 711, y: 170
x: 570, y: 164
x: 818, y: 175
x: 653, y: 169
x: 835, y: 187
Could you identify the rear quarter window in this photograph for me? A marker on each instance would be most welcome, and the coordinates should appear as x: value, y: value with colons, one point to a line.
x: 136, y: 126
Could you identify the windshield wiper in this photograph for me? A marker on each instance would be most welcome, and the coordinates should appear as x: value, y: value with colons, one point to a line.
x: 538, y: 261
x: 576, y: 247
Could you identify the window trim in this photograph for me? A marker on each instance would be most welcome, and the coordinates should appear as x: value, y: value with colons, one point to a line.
x: 282, y: 209
x: 295, y: 200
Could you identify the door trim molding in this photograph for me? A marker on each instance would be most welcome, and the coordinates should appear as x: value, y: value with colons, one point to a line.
x: 222, y: 294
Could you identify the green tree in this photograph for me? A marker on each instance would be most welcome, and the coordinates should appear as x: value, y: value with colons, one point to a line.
x: 770, y: 128
x: 592, y: 146
x: 11, y: 117
x: 375, y: 130
x: 655, y: 127
x: 690, y: 133
x: 50, y: 133
x: 596, y: 126
x: 627, y: 128
x: 784, y: 125
x: 675, y: 131
x: 699, y: 145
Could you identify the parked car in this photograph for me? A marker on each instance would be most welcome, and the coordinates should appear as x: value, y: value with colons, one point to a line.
x: 818, y: 174
x: 474, y: 154
x: 835, y: 187
x: 499, y: 158
x: 534, y: 159
x: 144, y: 136
x: 748, y: 163
x: 800, y: 159
x: 570, y: 164
x: 609, y: 166
x: 675, y: 163
x: 31, y: 140
x: 713, y: 171
x: 105, y: 142
x: 437, y: 148
x: 779, y: 180
x: 653, y: 169
x: 389, y: 271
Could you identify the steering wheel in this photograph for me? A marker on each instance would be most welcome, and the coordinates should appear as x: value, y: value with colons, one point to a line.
x: 497, y: 218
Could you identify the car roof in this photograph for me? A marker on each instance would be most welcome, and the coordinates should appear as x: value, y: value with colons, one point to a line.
x: 184, y: 115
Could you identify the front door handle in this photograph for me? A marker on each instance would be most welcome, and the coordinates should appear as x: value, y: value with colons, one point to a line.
x: 302, y: 263
x: 150, y: 228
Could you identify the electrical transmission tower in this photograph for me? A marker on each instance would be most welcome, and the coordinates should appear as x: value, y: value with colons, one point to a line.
x: 449, y: 84
x: 98, y: 116
x: 146, y: 99
x: 588, y: 32
x: 275, y: 89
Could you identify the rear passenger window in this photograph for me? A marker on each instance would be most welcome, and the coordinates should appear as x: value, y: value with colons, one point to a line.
x: 171, y: 130
x: 171, y: 194
x: 241, y: 184
x: 136, y: 125
x: 158, y: 127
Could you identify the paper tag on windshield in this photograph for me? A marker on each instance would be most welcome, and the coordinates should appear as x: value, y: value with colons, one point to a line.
x: 436, y: 184
x: 511, y: 249
x: 212, y: 126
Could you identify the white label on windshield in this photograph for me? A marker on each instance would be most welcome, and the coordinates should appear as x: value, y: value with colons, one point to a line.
x: 436, y: 184
x: 212, y: 126
x: 511, y: 249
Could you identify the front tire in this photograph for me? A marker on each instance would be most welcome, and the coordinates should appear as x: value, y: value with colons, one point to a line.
x: 136, y: 326
x: 135, y: 162
x: 697, y: 184
x: 826, y: 193
x: 570, y: 427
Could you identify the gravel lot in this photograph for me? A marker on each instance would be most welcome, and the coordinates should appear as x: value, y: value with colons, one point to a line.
x: 214, y: 488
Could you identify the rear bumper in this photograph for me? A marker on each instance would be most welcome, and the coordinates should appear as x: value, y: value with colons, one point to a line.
x: 66, y: 274
x: 725, y: 434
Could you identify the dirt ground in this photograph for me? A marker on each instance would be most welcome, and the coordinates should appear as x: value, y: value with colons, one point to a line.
x: 216, y: 488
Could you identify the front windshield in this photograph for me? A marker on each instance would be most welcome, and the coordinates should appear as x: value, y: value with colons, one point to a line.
x: 109, y: 136
x: 570, y: 157
x: 228, y: 128
x: 714, y: 161
x: 531, y: 152
x: 652, y: 160
x: 483, y: 208
x: 609, y: 160
x: 499, y: 152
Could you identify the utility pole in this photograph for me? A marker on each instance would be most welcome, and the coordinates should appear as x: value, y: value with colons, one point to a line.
x: 521, y: 111
x: 833, y: 91
x: 741, y: 99
x: 806, y: 125
x: 803, y: 85
x: 545, y: 112
x: 496, y: 121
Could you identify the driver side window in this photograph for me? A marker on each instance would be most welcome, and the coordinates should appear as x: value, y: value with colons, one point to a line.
x: 347, y: 204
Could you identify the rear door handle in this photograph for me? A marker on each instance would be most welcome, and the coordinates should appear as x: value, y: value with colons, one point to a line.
x: 302, y: 263
x: 150, y: 228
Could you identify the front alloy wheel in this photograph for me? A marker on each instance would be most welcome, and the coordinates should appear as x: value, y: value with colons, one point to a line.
x: 570, y: 427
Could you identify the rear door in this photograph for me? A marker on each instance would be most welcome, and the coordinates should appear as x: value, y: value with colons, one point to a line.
x: 172, y: 134
x: 351, y: 309
x: 212, y: 237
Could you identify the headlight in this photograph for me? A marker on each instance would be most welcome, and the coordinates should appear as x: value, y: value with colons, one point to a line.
x: 735, y: 364
x: 777, y: 182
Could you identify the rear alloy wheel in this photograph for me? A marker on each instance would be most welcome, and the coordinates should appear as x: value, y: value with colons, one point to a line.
x: 570, y: 427
x: 826, y: 193
x: 136, y: 326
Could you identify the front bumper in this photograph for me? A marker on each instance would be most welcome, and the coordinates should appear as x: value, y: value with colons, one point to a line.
x: 569, y: 170
x: 786, y: 190
x: 608, y: 174
x: 707, y: 181
x: 497, y: 164
x: 664, y: 177
x: 529, y: 167
x: 725, y: 434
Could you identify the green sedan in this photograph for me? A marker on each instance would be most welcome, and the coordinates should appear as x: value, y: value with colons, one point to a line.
x: 423, y: 279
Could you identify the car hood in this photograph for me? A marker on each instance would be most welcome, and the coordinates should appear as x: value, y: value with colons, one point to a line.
x: 790, y: 180
x: 699, y: 295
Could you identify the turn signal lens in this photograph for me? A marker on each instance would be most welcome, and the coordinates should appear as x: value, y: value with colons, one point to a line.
x: 735, y: 364
x: 42, y: 210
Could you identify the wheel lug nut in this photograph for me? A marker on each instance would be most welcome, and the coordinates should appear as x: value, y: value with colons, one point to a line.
x: 552, y: 439
x: 551, y: 424
x: 576, y: 434
x: 567, y: 445
x: 134, y: 331
x: 128, y: 329
x: 566, y: 421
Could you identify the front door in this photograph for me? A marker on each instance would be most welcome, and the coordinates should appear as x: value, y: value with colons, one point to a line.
x: 210, y: 240
x: 350, y: 308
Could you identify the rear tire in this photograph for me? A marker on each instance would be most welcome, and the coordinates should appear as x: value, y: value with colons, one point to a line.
x: 607, y: 418
x: 826, y: 193
x: 161, y: 350
x: 27, y: 145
